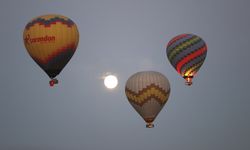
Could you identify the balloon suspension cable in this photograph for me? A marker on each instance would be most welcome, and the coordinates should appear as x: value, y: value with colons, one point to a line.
x: 188, y: 80
x: 52, y: 82
x: 149, y: 125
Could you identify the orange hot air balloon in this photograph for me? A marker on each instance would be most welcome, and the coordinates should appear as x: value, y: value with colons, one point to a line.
x: 51, y: 41
x: 147, y: 92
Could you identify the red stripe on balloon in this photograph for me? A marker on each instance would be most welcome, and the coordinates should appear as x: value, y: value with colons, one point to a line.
x: 176, y: 39
x: 61, y: 50
x: 71, y: 47
x: 55, y: 22
x: 48, y: 23
x: 189, y: 58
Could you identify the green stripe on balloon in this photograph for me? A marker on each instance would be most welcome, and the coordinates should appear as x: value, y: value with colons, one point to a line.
x: 183, y: 46
x: 186, y: 53
x: 193, y: 62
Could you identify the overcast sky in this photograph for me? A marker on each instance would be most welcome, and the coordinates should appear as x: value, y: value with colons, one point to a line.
x: 123, y: 37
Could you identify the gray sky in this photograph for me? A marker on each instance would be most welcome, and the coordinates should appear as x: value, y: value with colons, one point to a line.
x: 124, y: 37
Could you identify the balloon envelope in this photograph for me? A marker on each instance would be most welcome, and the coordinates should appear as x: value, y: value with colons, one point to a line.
x: 147, y: 92
x: 186, y: 53
x: 51, y: 40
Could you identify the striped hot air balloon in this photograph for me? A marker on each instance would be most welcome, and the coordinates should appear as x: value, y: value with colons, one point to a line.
x: 51, y: 41
x: 147, y: 92
x: 186, y: 53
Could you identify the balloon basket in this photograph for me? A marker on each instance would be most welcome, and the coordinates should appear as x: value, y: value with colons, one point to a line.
x: 150, y: 125
x: 53, y: 82
x: 188, y: 83
x: 188, y: 80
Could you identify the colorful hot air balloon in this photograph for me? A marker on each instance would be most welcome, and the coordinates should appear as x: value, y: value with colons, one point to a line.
x: 148, y: 92
x: 186, y: 53
x: 51, y: 41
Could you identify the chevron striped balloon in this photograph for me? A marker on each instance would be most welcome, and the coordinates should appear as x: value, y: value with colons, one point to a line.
x: 51, y: 41
x: 147, y: 92
x: 186, y: 53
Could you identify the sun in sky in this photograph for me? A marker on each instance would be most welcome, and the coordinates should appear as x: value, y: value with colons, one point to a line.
x: 110, y: 81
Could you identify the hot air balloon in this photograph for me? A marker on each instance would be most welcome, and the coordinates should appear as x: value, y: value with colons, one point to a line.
x: 186, y: 53
x: 51, y: 41
x: 147, y: 92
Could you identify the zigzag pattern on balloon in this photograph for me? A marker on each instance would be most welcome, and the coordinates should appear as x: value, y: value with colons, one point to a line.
x: 189, y: 50
x: 46, y: 59
x: 146, y: 94
x: 177, y: 38
x: 193, y: 69
x: 186, y: 51
x: 196, y: 62
x: 49, y: 22
x: 173, y: 52
x: 172, y: 46
x: 190, y: 57
x: 177, y: 41
x: 55, y: 62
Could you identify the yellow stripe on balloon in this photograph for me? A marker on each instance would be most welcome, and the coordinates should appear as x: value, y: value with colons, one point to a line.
x: 190, y: 71
x: 146, y: 94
